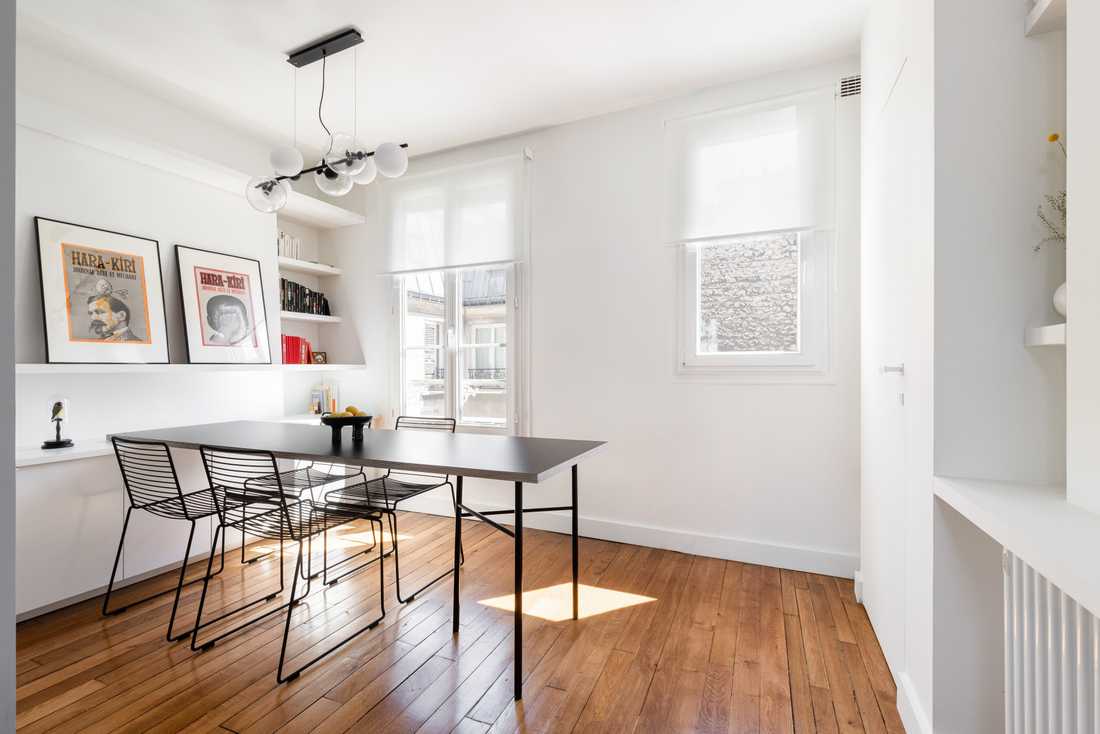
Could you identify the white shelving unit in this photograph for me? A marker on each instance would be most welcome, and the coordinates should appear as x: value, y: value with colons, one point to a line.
x: 1051, y: 335
x: 291, y: 265
x: 1046, y: 16
x: 309, y: 317
x: 316, y: 213
x: 114, y: 369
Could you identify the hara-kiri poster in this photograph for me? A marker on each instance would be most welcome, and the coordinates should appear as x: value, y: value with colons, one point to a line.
x: 102, y: 296
x: 223, y: 308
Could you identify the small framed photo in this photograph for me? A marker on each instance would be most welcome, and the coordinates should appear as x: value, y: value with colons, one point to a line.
x: 102, y: 295
x: 320, y: 357
x: 223, y: 308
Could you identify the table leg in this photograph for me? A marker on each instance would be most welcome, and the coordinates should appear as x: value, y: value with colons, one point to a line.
x: 517, y: 671
x: 458, y: 552
x: 576, y: 565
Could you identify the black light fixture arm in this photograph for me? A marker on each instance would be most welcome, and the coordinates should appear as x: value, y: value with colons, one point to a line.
x: 351, y: 156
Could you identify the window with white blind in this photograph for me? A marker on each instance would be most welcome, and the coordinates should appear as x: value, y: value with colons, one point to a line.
x: 751, y: 207
x: 455, y: 240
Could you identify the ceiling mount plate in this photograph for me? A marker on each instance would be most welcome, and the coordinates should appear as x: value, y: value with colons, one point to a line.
x: 327, y: 46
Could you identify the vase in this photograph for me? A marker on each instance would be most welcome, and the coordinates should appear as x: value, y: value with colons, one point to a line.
x: 1060, y: 299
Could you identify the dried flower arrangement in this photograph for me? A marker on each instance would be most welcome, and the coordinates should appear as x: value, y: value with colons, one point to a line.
x: 1055, y: 221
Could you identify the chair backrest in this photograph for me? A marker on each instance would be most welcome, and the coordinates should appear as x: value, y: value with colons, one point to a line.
x: 420, y: 423
x: 247, y: 477
x: 148, y: 473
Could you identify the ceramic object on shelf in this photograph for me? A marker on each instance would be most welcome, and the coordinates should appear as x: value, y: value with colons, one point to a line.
x: 1060, y: 299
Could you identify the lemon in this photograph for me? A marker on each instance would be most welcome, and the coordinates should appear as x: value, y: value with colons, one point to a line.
x: 352, y: 410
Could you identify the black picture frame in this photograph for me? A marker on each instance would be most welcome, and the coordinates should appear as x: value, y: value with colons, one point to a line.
x: 38, y: 220
x: 187, y: 323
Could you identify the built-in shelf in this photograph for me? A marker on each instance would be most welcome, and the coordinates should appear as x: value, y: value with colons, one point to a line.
x: 1051, y: 335
x: 1046, y: 16
x: 107, y: 369
x: 84, y: 449
x: 316, y: 213
x: 1037, y: 524
x: 310, y: 317
x: 305, y: 266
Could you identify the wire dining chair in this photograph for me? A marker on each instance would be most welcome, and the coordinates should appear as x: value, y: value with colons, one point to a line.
x: 385, y: 493
x: 152, y: 485
x: 287, y: 516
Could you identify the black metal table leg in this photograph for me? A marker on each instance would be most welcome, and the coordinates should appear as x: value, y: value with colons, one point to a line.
x: 576, y: 565
x: 517, y: 672
x: 458, y: 553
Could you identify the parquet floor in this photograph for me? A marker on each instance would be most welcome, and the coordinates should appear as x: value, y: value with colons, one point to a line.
x: 691, y: 644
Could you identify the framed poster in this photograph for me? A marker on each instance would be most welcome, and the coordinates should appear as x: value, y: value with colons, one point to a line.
x: 102, y: 296
x: 223, y: 308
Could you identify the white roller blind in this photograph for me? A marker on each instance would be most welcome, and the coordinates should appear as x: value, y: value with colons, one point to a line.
x: 457, y: 217
x: 752, y: 169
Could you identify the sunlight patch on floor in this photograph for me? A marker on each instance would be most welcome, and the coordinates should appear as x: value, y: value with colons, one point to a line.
x: 555, y: 603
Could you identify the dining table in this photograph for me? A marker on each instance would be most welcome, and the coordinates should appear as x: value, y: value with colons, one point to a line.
x: 522, y: 460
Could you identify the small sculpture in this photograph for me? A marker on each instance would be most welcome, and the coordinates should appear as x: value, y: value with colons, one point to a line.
x: 57, y: 415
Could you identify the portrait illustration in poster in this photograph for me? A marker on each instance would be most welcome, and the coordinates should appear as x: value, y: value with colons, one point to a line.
x: 106, y: 295
x: 225, y: 303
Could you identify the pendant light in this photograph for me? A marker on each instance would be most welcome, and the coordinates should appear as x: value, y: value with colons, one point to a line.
x: 345, y: 161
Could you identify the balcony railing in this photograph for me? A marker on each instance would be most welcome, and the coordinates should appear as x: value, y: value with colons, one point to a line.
x: 486, y: 373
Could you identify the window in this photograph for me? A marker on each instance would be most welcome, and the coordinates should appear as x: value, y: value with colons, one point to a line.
x: 751, y: 207
x: 456, y: 357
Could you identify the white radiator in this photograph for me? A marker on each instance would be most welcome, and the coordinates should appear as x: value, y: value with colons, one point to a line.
x: 1052, y: 657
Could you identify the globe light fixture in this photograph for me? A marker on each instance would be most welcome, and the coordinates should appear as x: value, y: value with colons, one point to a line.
x: 345, y: 162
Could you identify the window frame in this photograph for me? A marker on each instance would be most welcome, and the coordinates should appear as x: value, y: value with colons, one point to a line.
x: 811, y: 362
x: 453, y: 345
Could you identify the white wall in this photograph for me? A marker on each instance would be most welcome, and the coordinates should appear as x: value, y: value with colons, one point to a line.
x: 7, y: 377
x: 700, y: 466
x: 1083, y: 337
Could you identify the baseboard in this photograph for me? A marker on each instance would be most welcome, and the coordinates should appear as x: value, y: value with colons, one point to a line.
x: 796, y: 558
x: 913, y: 716
x: 857, y: 585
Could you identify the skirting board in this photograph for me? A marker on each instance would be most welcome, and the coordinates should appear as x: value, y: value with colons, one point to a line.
x: 795, y: 558
x: 913, y: 716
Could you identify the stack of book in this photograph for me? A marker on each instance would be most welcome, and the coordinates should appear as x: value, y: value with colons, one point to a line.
x: 297, y: 350
x: 299, y: 299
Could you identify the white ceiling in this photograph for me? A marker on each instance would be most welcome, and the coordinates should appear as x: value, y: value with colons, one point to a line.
x: 437, y: 73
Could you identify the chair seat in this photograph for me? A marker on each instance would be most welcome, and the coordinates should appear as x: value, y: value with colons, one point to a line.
x: 310, y: 476
x: 300, y: 519
x: 191, y: 506
x: 383, y: 492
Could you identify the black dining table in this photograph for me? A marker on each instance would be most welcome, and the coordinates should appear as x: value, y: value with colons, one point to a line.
x: 522, y: 460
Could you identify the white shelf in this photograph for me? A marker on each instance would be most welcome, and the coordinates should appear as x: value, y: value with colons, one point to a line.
x: 84, y: 449
x: 1046, y: 336
x: 1046, y: 16
x: 305, y: 266
x: 310, y: 317
x: 109, y: 369
x: 1037, y: 524
x: 314, y: 212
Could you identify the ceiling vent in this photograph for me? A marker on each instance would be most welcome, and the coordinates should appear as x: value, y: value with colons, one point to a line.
x: 850, y: 85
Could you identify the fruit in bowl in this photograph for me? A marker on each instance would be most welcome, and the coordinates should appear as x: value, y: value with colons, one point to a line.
x: 337, y: 421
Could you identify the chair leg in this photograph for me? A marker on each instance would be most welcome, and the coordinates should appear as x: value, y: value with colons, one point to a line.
x: 379, y: 541
x: 282, y: 677
x: 179, y: 585
x: 114, y: 569
x: 397, y: 565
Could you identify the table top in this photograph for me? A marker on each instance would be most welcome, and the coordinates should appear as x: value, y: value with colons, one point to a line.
x: 508, y: 458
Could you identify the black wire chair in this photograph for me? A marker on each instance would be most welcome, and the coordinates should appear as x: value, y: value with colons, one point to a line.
x: 152, y: 485
x: 285, y: 515
x: 384, y: 494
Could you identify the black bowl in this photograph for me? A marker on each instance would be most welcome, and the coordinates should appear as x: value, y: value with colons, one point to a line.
x: 337, y: 423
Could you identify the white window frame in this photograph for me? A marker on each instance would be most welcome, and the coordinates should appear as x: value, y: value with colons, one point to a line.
x: 812, y: 361
x: 452, y: 346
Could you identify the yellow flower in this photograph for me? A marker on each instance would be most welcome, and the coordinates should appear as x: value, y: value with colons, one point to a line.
x: 1054, y: 137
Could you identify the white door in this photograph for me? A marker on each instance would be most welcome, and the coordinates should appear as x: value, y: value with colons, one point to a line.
x: 885, y: 274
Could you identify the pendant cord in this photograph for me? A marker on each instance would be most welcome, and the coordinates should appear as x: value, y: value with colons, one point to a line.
x: 355, y: 95
x: 324, y: 61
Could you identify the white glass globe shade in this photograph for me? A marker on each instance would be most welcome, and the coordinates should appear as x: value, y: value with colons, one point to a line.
x: 391, y: 159
x: 368, y: 174
x: 265, y: 194
x: 345, y: 155
x: 287, y: 161
x: 331, y: 183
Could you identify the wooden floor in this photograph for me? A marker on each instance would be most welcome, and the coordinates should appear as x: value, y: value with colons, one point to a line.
x: 719, y: 646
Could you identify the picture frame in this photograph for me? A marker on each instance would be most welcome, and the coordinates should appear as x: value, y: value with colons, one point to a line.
x: 102, y: 295
x: 224, y: 313
x: 320, y: 357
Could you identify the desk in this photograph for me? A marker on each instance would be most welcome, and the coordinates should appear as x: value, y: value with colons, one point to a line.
x: 517, y: 459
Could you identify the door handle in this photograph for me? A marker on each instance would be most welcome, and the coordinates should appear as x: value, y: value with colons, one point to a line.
x: 898, y: 369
